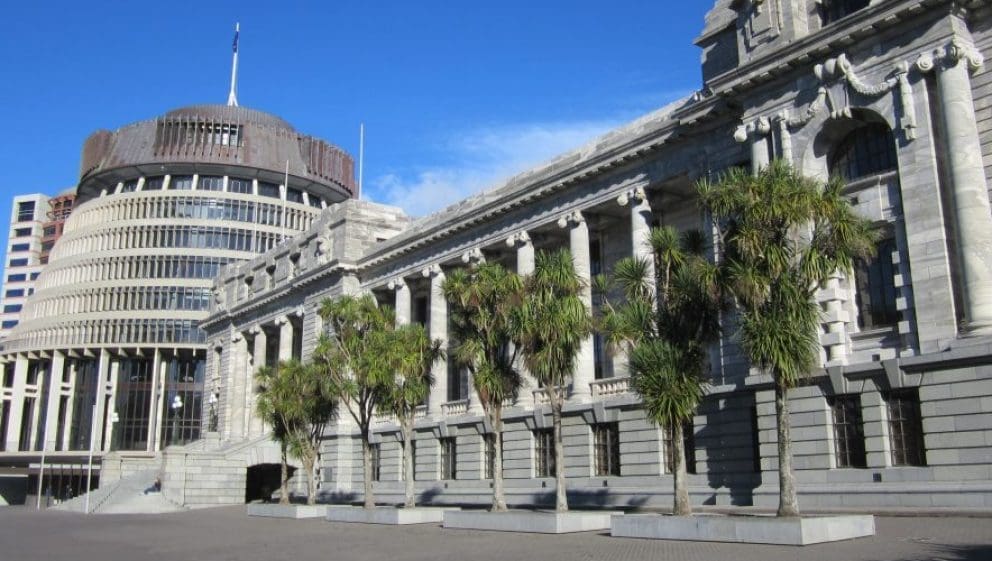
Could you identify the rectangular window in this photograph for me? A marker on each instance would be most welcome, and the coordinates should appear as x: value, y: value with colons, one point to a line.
x: 21, y: 262
x: 849, y: 431
x: 449, y: 458
x: 489, y: 453
x: 14, y: 293
x: 129, y: 186
x: 606, y: 448
x: 239, y: 185
x: 19, y: 277
x: 153, y: 184
x: 47, y: 246
x: 544, y: 453
x: 268, y: 190
x: 906, y: 428
x: 25, y: 211
x: 12, y: 308
x: 9, y: 324
x: 875, y: 296
x: 294, y: 195
x: 22, y: 232
x: 34, y: 276
x: 210, y: 183
x: 20, y: 247
x: 49, y: 231
x: 181, y: 183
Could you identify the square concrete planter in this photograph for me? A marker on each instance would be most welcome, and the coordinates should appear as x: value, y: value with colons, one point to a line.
x: 540, y: 522
x: 744, y: 529
x: 387, y: 515
x: 287, y: 511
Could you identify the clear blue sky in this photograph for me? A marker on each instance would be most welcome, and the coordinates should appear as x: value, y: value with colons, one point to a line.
x: 454, y: 95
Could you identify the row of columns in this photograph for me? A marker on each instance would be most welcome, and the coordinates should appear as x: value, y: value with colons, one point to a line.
x: 579, y: 245
x: 243, y: 420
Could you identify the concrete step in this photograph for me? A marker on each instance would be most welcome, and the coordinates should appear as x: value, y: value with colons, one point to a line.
x: 151, y: 503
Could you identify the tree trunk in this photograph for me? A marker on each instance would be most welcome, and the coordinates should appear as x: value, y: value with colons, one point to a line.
x: 407, y: 427
x: 367, y: 468
x: 309, y: 459
x: 561, y: 497
x: 680, y: 504
x: 499, y: 500
x: 788, y: 502
x: 284, y: 477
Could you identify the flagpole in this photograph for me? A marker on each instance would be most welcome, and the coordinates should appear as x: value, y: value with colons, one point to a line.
x: 232, y: 98
x: 361, y: 158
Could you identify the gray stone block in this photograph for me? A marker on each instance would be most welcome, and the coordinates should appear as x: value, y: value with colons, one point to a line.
x: 287, y: 511
x: 743, y: 529
x: 386, y: 515
x: 529, y: 521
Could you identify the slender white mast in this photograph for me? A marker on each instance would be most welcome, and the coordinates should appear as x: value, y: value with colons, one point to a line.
x: 361, y: 158
x: 232, y: 98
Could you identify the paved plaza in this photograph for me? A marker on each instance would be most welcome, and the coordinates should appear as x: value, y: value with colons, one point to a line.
x: 227, y: 533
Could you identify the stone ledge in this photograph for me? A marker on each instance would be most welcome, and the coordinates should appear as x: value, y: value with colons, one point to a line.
x: 529, y: 521
x: 386, y: 515
x: 744, y: 529
x: 287, y: 511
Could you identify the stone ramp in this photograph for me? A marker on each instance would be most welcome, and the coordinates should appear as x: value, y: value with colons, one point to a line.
x: 126, y: 495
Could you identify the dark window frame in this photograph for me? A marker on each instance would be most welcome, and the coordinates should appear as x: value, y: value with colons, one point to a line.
x: 606, y: 449
x: 849, y: 431
x: 906, y: 437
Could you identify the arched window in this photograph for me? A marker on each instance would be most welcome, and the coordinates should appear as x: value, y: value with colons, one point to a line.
x: 868, y: 150
x: 833, y: 10
x: 865, y: 152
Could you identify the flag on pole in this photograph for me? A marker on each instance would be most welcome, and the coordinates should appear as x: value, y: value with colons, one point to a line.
x: 235, y: 46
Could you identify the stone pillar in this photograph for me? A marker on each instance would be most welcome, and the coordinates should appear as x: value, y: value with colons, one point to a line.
x: 757, y: 132
x: 969, y: 189
x: 438, y: 329
x: 836, y: 319
x: 285, y: 338
x: 640, y: 227
x: 525, y: 265
x: 101, y: 416
x: 875, y: 419
x: 237, y: 390
x: 73, y: 372
x: 16, y: 403
x: 402, y: 301
x: 52, y: 409
x: 253, y: 424
x: 154, y: 414
x: 578, y: 237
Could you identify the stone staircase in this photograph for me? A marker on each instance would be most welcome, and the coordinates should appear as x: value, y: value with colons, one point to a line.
x: 131, y: 494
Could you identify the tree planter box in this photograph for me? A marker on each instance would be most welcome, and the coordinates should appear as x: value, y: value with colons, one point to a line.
x: 540, y: 522
x: 744, y: 529
x: 287, y: 511
x: 386, y: 515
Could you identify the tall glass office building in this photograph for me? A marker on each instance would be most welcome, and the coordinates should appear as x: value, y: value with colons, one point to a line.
x: 108, y: 352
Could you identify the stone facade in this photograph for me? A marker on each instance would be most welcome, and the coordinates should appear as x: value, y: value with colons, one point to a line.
x: 890, y: 96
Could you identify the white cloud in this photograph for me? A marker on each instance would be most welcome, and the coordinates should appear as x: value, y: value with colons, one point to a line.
x: 480, y: 159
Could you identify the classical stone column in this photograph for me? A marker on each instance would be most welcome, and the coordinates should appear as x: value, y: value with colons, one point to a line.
x: 16, y: 403
x: 285, y: 338
x: 253, y: 423
x: 238, y: 389
x: 578, y: 237
x: 969, y: 189
x: 402, y: 301
x: 52, y: 408
x: 438, y: 330
x: 521, y: 242
x: 759, y: 145
x: 154, y: 414
x: 640, y: 227
x: 66, y: 432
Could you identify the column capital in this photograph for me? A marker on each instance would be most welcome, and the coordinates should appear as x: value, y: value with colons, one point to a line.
x: 571, y: 219
x: 632, y: 196
x: 398, y: 283
x: 518, y: 239
x: 282, y: 320
x: 256, y: 330
x: 473, y: 256
x: 434, y: 271
x: 237, y: 337
x: 754, y: 130
x: 957, y: 50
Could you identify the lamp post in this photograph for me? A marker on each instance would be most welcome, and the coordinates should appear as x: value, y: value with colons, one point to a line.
x: 176, y: 405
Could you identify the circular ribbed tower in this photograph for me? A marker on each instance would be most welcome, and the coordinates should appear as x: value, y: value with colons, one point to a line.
x: 110, y: 338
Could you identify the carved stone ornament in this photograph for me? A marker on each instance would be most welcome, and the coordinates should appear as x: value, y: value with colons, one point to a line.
x: 518, y: 239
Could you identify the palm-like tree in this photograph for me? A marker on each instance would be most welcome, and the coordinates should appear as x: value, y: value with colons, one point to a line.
x: 782, y: 236
x: 413, y: 354
x: 665, y: 324
x: 355, y: 356
x: 482, y: 302
x: 551, y: 324
x: 296, y: 401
